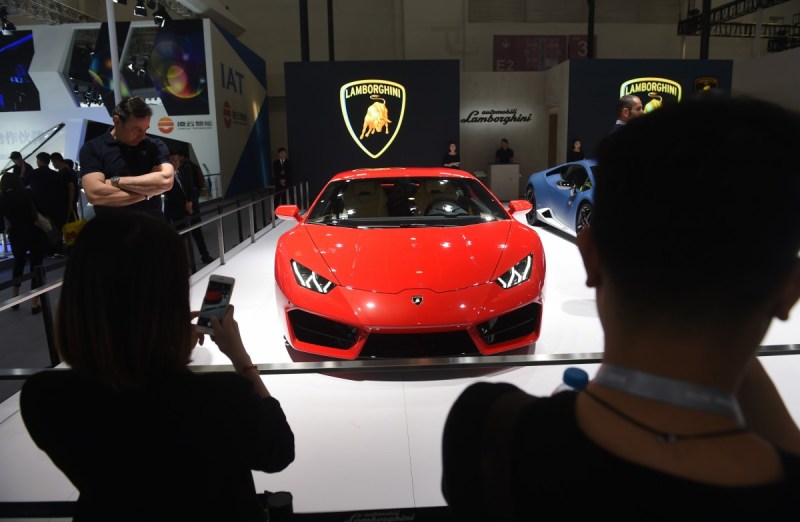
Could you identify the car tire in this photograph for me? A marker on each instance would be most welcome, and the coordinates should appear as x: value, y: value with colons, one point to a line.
x: 531, y: 216
x: 583, y: 218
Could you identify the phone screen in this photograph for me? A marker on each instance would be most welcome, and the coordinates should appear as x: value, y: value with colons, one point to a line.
x: 215, y: 302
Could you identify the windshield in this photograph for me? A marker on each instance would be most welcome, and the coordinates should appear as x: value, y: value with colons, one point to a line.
x: 404, y: 202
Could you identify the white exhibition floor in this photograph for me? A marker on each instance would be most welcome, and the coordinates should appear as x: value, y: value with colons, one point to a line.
x: 369, y: 440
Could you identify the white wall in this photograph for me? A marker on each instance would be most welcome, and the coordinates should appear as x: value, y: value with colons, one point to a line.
x: 773, y: 77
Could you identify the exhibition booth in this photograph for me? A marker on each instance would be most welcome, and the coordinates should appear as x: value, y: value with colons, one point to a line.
x: 368, y: 433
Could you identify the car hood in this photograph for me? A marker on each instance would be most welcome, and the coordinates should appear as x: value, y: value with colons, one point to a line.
x: 390, y: 260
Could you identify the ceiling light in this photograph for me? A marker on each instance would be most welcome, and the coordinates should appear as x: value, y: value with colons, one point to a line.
x: 160, y: 16
x: 140, y: 9
x: 8, y: 28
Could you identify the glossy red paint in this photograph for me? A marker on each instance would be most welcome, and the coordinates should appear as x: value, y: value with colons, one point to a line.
x: 408, y: 280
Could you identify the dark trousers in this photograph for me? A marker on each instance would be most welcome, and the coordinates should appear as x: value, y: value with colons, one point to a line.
x: 20, y: 245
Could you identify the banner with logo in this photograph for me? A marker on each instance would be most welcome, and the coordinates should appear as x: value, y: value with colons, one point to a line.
x: 348, y: 115
x: 239, y: 89
x: 595, y: 86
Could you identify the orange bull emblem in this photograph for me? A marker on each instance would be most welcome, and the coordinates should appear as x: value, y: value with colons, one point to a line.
x: 377, y: 117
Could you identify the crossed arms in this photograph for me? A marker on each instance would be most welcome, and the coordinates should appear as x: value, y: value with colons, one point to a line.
x: 131, y: 189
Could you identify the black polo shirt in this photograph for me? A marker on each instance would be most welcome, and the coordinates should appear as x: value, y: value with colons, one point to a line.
x: 504, y: 155
x: 112, y: 158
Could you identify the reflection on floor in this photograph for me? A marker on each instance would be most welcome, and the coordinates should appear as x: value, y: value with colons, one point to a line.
x: 367, y: 440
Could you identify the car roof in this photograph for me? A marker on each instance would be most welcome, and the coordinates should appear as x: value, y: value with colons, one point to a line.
x: 403, y: 172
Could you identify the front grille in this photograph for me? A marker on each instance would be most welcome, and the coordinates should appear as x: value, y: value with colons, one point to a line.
x: 519, y: 323
x: 314, y: 329
x: 419, y: 345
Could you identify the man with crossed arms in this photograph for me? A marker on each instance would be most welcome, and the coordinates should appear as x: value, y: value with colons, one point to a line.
x: 125, y: 168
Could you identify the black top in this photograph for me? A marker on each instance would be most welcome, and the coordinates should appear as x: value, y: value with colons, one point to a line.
x: 181, y: 450
x: 574, y: 155
x: 49, y: 193
x: 69, y: 177
x: 23, y: 173
x: 16, y: 210
x: 503, y: 155
x: 451, y: 158
x: 506, y: 450
x: 105, y: 154
x: 282, y: 173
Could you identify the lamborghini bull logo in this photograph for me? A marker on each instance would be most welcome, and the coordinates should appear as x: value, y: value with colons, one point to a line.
x: 377, y: 117
x: 367, y: 104
x: 659, y: 92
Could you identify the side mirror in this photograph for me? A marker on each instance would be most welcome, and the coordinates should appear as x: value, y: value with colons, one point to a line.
x: 288, y: 212
x: 519, y: 208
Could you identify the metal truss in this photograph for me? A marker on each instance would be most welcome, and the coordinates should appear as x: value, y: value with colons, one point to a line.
x: 50, y: 11
x: 738, y: 30
x: 57, y: 13
x: 724, y: 13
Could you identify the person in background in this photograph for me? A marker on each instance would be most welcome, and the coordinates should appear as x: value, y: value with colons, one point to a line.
x: 629, y: 107
x: 282, y: 170
x: 17, y: 220
x: 451, y: 158
x: 21, y: 167
x: 504, y: 154
x: 70, y: 181
x: 124, y: 167
x: 49, y: 195
x: 575, y: 152
x: 138, y: 433
x: 183, y: 199
x: 681, y: 421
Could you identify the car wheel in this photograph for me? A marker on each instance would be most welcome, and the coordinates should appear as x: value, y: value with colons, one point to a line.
x: 584, y: 217
x: 531, y: 216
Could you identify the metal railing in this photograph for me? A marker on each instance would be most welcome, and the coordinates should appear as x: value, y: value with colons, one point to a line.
x: 258, y: 208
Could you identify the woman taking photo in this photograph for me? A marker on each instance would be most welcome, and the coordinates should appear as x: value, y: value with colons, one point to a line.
x: 140, y: 435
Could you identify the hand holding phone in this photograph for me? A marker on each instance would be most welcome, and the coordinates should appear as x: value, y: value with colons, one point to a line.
x: 215, y: 302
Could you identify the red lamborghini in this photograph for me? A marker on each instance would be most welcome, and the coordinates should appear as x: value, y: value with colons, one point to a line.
x: 408, y: 262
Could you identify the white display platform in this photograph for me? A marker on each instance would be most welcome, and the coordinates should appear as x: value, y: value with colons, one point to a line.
x: 368, y: 441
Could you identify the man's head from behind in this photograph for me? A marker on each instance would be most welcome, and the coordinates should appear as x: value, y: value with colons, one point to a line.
x: 131, y: 120
x: 672, y: 197
x: 43, y: 159
x: 16, y: 157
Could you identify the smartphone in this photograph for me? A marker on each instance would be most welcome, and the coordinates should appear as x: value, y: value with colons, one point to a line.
x: 215, y: 301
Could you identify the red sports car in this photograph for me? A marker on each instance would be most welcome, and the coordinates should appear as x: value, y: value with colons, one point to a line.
x: 408, y: 262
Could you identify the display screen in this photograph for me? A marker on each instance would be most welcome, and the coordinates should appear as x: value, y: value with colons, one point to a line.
x: 349, y: 115
x: 17, y: 90
x: 177, y: 67
x: 597, y: 85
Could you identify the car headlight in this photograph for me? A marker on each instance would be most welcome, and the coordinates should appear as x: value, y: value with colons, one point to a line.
x: 517, y: 274
x: 310, y: 279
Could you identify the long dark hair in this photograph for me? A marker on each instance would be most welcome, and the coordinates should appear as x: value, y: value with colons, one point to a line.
x: 123, y: 316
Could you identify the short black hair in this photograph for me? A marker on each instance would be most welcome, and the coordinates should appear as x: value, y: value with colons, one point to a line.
x: 695, y: 216
x: 43, y: 156
x: 56, y: 156
x: 281, y: 149
x: 626, y: 102
x: 132, y: 107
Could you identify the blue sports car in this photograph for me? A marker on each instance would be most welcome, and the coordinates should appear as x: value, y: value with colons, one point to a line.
x: 562, y: 196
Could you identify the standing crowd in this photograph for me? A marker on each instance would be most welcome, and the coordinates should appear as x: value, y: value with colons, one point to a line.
x: 25, y: 192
